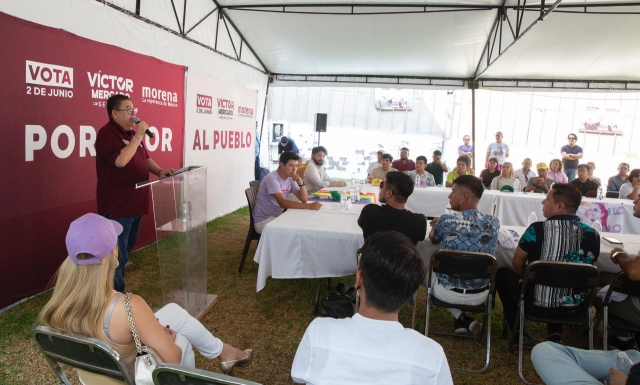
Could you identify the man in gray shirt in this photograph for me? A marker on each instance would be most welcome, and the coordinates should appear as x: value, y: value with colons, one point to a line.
x: 541, y: 184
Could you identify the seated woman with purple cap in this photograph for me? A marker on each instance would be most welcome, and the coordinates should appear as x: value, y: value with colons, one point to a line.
x: 84, y: 302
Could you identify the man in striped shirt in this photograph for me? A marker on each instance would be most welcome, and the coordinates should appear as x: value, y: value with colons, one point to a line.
x: 561, y: 238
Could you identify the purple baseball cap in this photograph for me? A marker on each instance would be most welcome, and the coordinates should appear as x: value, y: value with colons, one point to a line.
x: 92, y: 234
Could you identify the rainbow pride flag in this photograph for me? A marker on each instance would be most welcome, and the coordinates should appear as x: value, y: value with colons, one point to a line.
x: 325, y: 195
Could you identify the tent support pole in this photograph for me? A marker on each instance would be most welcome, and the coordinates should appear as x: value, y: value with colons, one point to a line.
x: 473, y: 86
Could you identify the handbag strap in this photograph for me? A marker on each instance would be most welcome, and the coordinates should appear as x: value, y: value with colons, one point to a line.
x: 132, y: 323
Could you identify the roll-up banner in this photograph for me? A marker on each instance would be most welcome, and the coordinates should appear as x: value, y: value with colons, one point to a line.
x: 52, y: 102
x: 220, y: 133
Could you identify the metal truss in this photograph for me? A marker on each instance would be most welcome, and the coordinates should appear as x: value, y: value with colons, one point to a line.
x: 562, y: 84
x: 451, y: 83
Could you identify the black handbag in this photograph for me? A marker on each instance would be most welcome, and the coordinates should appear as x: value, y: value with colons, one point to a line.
x: 340, y: 305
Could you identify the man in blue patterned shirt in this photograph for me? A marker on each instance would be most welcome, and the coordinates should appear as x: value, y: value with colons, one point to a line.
x: 562, y: 238
x: 467, y: 229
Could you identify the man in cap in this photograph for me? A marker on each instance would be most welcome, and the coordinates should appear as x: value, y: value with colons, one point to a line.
x: 541, y: 184
x: 287, y: 144
x: 404, y: 164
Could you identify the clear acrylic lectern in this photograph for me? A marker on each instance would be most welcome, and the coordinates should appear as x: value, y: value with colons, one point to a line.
x: 180, y: 210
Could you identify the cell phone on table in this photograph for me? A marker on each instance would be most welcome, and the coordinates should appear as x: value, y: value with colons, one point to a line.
x: 612, y: 240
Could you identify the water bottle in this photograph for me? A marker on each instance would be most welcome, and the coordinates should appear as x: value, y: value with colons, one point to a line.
x: 417, y: 182
x: 597, y: 226
x: 516, y: 186
x: 354, y: 193
x: 623, y: 363
x: 344, y: 201
x: 354, y: 180
x: 599, y: 196
x: 533, y: 218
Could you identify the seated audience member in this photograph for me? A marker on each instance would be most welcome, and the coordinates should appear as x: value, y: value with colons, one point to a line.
x: 555, y: 172
x: 525, y: 173
x: 557, y: 364
x: 562, y: 238
x: 592, y: 168
x: 375, y: 164
x: 381, y: 172
x: 461, y: 169
x: 630, y: 189
x: 84, y: 302
x: 437, y: 168
x: 287, y: 144
x: 392, y: 216
x: 505, y: 180
x: 426, y: 179
x: 467, y: 229
x: 273, y: 194
x: 541, y: 184
x: 372, y: 347
x: 487, y: 175
x: 586, y: 186
x: 615, y: 182
x: 404, y: 164
x: 316, y: 178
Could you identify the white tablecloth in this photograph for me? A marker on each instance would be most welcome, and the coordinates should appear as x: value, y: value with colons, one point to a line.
x: 323, y: 244
x: 616, y: 215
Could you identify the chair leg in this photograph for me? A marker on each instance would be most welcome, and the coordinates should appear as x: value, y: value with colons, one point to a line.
x: 245, y: 251
x: 316, y: 306
x: 521, y: 343
x: 426, y: 320
x: 605, y: 328
x: 488, y: 323
x: 58, y: 370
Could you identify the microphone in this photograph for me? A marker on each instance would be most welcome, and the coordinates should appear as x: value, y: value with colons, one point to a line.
x: 149, y: 133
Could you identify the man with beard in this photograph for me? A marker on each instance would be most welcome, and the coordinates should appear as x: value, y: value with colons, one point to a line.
x: 404, y: 164
x: 316, y: 178
x: 394, y: 191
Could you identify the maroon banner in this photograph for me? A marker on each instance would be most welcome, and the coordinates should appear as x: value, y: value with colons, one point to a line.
x: 52, y: 103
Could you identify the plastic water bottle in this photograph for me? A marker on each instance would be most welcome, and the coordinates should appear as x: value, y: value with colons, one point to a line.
x: 533, y: 218
x: 343, y: 201
x: 354, y: 180
x: 354, y: 193
x: 516, y: 186
x: 600, y: 193
x: 623, y: 363
x: 597, y: 226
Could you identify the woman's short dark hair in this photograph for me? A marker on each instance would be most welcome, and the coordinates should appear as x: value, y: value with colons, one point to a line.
x: 471, y: 183
x: 392, y: 270
x: 286, y: 156
x: 400, y: 184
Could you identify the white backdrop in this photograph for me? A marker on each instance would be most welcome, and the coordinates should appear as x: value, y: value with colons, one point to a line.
x: 220, y: 131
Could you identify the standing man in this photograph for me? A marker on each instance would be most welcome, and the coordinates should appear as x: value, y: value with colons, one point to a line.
x: 461, y: 169
x: 525, y: 173
x: 425, y: 178
x: 404, y: 164
x: 497, y: 150
x: 376, y: 164
x: 437, y: 168
x: 392, y: 216
x: 316, y: 178
x: 571, y: 155
x: 274, y: 191
x: 381, y: 172
x: 586, y: 186
x: 616, y: 181
x: 467, y: 229
x: 121, y: 162
x: 466, y: 149
x: 541, y: 184
x: 287, y: 144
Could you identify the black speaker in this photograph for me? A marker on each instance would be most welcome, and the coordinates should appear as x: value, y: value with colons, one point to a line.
x: 321, y: 122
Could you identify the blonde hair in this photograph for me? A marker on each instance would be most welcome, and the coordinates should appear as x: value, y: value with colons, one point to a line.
x: 560, y: 165
x: 80, y: 296
x: 512, y: 172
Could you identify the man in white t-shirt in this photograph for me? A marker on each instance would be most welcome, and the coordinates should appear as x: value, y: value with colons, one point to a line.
x: 525, y: 173
x: 274, y: 191
x: 375, y: 164
x: 372, y: 347
x: 498, y: 150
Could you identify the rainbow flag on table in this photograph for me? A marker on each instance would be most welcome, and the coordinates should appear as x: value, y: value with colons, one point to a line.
x: 325, y: 195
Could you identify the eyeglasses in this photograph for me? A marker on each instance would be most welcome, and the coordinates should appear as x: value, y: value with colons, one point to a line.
x: 131, y: 111
x: 572, y: 138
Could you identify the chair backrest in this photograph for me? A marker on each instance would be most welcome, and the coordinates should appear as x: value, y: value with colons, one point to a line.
x: 463, y: 265
x: 252, y: 194
x: 622, y: 284
x: 580, y: 277
x: 172, y: 374
x: 254, y: 183
x: 85, y: 353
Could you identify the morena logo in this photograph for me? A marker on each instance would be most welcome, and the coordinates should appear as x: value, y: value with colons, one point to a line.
x: 48, y: 74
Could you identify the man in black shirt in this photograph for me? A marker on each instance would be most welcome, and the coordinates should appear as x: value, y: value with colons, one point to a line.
x: 394, y: 191
x: 571, y: 155
x: 437, y: 168
x: 586, y: 186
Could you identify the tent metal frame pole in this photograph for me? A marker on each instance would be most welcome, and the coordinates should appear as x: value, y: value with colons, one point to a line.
x: 175, y: 13
x: 473, y: 86
x: 201, y: 20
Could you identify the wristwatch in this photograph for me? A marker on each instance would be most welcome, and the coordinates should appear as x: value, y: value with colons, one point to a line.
x: 300, y: 185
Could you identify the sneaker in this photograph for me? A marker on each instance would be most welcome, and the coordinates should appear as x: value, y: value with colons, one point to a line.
x: 617, y: 343
x: 468, y: 325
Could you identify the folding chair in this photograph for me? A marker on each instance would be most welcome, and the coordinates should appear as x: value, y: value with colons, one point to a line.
x: 254, y: 183
x: 621, y: 284
x: 464, y: 265
x: 172, y: 374
x: 84, y: 353
x: 251, y: 194
x: 580, y: 277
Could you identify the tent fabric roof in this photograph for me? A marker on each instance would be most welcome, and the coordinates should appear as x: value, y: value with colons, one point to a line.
x: 578, y: 40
